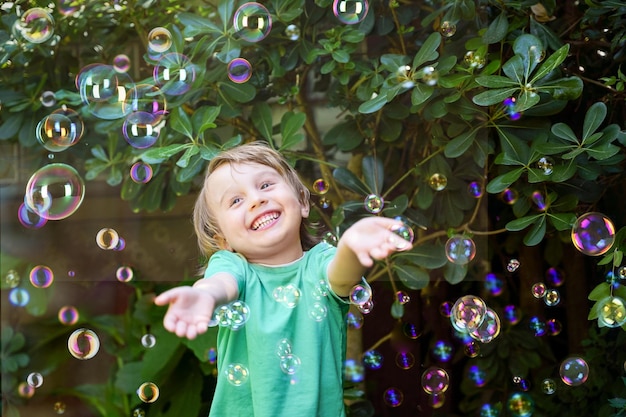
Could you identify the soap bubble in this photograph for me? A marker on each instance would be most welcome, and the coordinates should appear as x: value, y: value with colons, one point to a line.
x: 405, y: 360
x: 538, y: 290
x: 411, y: 331
x: 402, y: 297
x: 475, y: 189
x: 55, y: 191
x: 510, y: 108
x: 48, y: 99
x: 67, y: 7
x: 149, y: 98
x: 489, y: 410
x: 290, y: 364
x: 474, y: 59
x: 19, y: 297
x: 12, y: 278
x: 59, y: 407
x: 521, y: 404
x: 68, y: 315
x: 553, y: 327
x: 106, y: 92
x: 56, y: 132
x: 489, y: 329
x: 239, y: 70
x: 447, y: 29
x: 320, y: 186
x: 34, y: 379
x: 354, y: 320
x: 477, y: 375
x: 460, y: 249
x: 124, y: 274
x: 236, y: 374
x: 442, y: 351
x: 548, y: 386
x: 537, y: 326
x: 107, y: 238
x: 393, y: 397
x: 494, y: 284
x: 372, y: 359
x: 593, y: 234
x: 159, y: 40
x: 552, y: 297
x: 140, y: 172
x: 121, y: 63
x: 574, y: 371
x: 366, y: 307
x: 435, y: 380
x: 41, y: 276
x: 431, y: 77
x: 239, y: 314
x: 555, y: 277
x: 471, y: 349
x: 405, y: 232
x: 437, y: 400
x: 611, y: 311
x: 174, y: 74
x: 438, y: 182
x: 350, y: 12
x: 148, y: 392
x: 318, y: 311
x: 29, y: 219
x: 539, y: 200
x: 468, y: 312
x: 83, y: 344
x: 139, y: 129
x: 252, y: 22
x: 292, y: 32
x: 546, y: 165
x: 148, y: 340
x: 445, y: 308
x: 36, y: 25
x: 360, y: 294
x: 509, y: 196
x: 513, y: 265
x: 374, y: 203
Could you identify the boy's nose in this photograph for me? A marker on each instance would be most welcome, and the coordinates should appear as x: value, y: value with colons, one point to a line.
x: 257, y: 200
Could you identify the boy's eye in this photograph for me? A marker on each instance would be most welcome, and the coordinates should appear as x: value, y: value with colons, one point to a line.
x: 265, y: 185
x: 235, y: 201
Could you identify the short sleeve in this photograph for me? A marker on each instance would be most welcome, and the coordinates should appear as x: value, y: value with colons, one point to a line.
x: 324, y: 253
x: 232, y: 263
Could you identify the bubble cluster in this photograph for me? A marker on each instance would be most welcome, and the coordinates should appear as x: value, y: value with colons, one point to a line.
x: 350, y: 12
x: 460, y: 249
x: 35, y: 25
x: 54, y: 191
x: 435, y: 380
x: 148, y: 392
x: 83, y: 344
x: 574, y: 371
x: 252, y: 22
x: 232, y: 315
x: 374, y: 203
x: 29, y: 219
x: 468, y: 312
x: 239, y: 70
x: 489, y: 329
x: 593, y: 234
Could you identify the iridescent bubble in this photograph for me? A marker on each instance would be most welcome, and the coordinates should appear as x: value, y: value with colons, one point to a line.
x: 139, y: 412
x: 393, y: 397
x: 442, y: 351
x: 36, y: 25
x: 548, y: 386
x: 593, y: 234
x: 411, y: 331
x: 68, y: 315
x: 553, y: 327
x: 460, y: 249
x: 48, y: 99
x: 252, y: 22
x: 477, y: 375
x: 354, y: 320
x: 325, y: 203
x: 55, y: 191
x: 292, y: 32
x: 402, y: 297
x: 41, y: 276
x: 611, y: 311
x: 360, y: 294
x: 320, y: 186
x: 141, y: 173
x: 552, y: 297
x: 494, y: 284
x: 67, y: 7
x: 546, y: 165
x: 330, y: 239
x: 121, y: 63
x: 19, y: 297
x: 56, y: 132
x: 83, y: 344
x: 555, y: 277
x: 159, y: 40
x: 574, y: 371
x: 353, y: 371
x: 513, y: 265
x: 435, y: 380
x: 537, y: 326
x: 538, y: 199
x: 521, y: 404
x: 405, y: 360
x: 139, y: 130
x: 438, y: 182
x: 490, y: 410
x: 510, y: 108
x: 59, y: 407
x: 437, y: 400
x: 148, y: 392
x: 290, y: 364
x: 106, y: 92
x: 372, y: 359
x: 350, y: 12
x: 374, y: 203
x: 148, y: 340
x: 212, y: 356
x: 405, y: 232
x: 320, y: 290
x: 538, y: 290
x: 107, y: 238
x: 34, y: 379
x: 489, y: 329
x: 318, y: 311
x: 474, y: 59
x: 430, y: 77
x: 29, y: 219
x: 239, y: 70
x: 283, y: 347
x: 239, y: 313
x: 124, y: 274
x: 509, y: 196
x: 468, y: 312
x: 475, y: 189
x: 174, y: 74
x: 25, y: 391
x: 366, y: 307
x: 236, y: 374
x: 445, y: 308
x: 621, y: 273
x: 447, y: 28
x: 12, y: 278
x: 149, y: 98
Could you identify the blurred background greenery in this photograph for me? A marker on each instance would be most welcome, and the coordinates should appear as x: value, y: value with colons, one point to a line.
x: 494, y: 128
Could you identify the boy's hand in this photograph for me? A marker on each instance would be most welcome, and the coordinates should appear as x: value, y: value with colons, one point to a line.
x: 373, y: 238
x: 190, y: 310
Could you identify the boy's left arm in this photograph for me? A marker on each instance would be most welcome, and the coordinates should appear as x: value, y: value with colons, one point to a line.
x: 366, y: 240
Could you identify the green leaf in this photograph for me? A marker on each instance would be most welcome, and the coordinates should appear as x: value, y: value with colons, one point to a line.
x: 261, y: 117
x: 180, y: 122
x: 98, y: 152
x: 504, y: 181
x: 514, y: 69
x: 373, y: 173
x: 11, y: 125
x: 454, y: 273
x: 421, y: 93
x: 158, y: 155
x: 195, y: 25
x: 551, y: 63
x: 593, y: 119
x: 346, y: 178
x: 496, y: 81
x: 428, y: 256
x: 460, y: 144
x: 600, y: 292
x: 522, y: 223
x: 290, y: 125
x: 193, y: 168
x: 183, y: 161
x: 345, y: 135
x: 204, y: 118
x: 536, y: 233
x: 428, y: 51
x: 562, y: 221
x: 497, y: 29
x: 491, y: 97
x: 413, y: 277
x: 373, y: 105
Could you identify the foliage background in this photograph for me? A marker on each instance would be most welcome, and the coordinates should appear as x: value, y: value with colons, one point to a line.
x: 378, y: 107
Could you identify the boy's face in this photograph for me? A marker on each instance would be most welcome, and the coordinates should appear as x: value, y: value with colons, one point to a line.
x: 258, y: 213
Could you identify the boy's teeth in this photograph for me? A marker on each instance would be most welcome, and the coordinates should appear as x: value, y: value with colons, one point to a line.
x: 264, y: 221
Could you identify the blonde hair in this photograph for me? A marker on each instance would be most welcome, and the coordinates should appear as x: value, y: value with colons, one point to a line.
x: 205, y: 224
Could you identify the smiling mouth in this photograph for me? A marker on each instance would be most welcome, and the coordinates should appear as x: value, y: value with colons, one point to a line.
x: 265, y: 220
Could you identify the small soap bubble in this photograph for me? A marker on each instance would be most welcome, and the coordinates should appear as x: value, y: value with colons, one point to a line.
x: 366, y: 307
x: 435, y: 380
x: 521, y: 404
x: 236, y: 374
x: 19, y: 297
x: 611, y: 311
x: 174, y: 74
x: 393, y: 397
x: 553, y: 327
x: 438, y: 182
x: 546, y: 165
x: 445, y: 308
x: 477, y: 375
x: 548, y: 386
x: 509, y: 196
x: 489, y: 329
x: 283, y: 347
x: 290, y: 364
x: 437, y: 400
x: 35, y: 25
x: 330, y: 239
x: 290, y: 296
x: 372, y: 359
x: 538, y: 290
x: 318, y: 311
x: 148, y: 392
x: 360, y: 294
x: 139, y: 412
x: 374, y: 203
x: 59, y: 407
x: 292, y: 32
x: 574, y: 371
x: 106, y: 92
x: 239, y: 70
x: 430, y: 77
x: 513, y: 265
x: 320, y: 186
x: 447, y: 29
x: 621, y: 272
x: 468, y: 312
x: 402, y: 297
x: 460, y: 249
x: 159, y: 40
x: 107, y: 238
x: 555, y: 277
x: 239, y: 313
x: 353, y: 371
x: 405, y: 360
x: 141, y: 172
x: 494, y: 284
x: 510, y: 108
x: 48, y: 99
x: 252, y: 22
x: 56, y: 132
x: 83, y: 344
x: 41, y: 276
x: 55, y: 191
x: 124, y: 274
x: 539, y: 200
x: 490, y: 410
x: 411, y: 331
x: 537, y: 326
x: 12, y: 278
x: 34, y: 379
x: 29, y: 219
x: 442, y: 351
x: 325, y: 203
x: 354, y: 320
x: 350, y: 12
x: 552, y: 297
x: 121, y: 63
x: 67, y: 7
x: 212, y: 356
x: 475, y: 189
x: 474, y: 59
x: 148, y: 98
x: 140, y: 129
x: 405, y: 232
x: 68, y: 315
x: 593, y: 234
x: 121, y: 245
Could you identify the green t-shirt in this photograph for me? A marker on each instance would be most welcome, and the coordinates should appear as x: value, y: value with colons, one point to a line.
x: 286, y: 359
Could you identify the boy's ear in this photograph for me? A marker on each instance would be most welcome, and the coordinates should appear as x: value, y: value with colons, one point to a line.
x: 305, y: 209
x: 221, y: 242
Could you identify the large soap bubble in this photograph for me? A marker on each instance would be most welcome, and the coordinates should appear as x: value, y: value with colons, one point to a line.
x: 55, y: 191
x: 468, y: 313
x: 593, y: 234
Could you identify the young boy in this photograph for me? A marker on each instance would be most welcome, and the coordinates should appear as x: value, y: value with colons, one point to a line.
x: 281, y: 299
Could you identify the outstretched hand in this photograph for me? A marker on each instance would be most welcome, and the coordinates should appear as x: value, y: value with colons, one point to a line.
x: 190, y: 310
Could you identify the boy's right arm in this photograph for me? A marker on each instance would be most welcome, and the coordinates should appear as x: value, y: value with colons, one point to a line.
x: 191, y: 308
